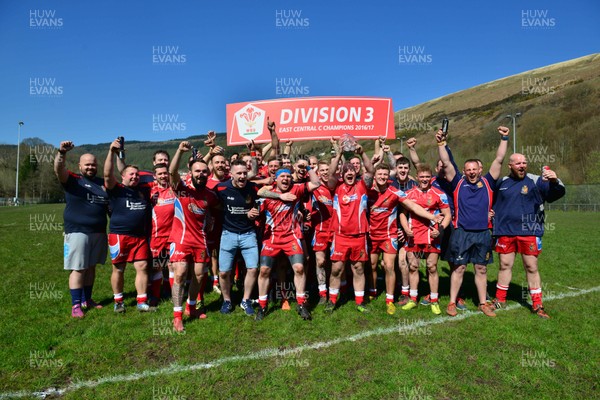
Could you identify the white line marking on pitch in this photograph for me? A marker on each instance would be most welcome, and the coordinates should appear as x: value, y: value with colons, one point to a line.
x: 267, y: 353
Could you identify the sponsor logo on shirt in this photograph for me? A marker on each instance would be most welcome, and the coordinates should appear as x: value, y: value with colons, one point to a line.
x: 195, y: 209
x: 135, y: 205
x: 162, y: 202
x: 325, y: 200
x: 347, y: 199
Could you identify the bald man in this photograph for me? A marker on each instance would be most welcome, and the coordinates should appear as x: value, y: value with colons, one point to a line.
x: 519, y: 225
x: 85, y: 242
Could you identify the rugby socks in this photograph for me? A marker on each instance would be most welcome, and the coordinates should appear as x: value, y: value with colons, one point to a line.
x: 433, y: 297
x: 202, y: 287
x: 118, y: 297
x: 155, y: 284
x: 536, y: 296
x: 76, y: 296
x: 373, y: 292
x: 359, y: 297
x: 263, y: 301
x: 300, y: 298
x: 501, y: 292
x: 405, y: 290
x: 178, y: 312
x: 87, y: 293
x: 333, y: 295
x: 215, y: 280
x: 142, y: 298
x: 171, y: 278
x: 413, y: 295
x: 322, y: 290
x: 389, y: 298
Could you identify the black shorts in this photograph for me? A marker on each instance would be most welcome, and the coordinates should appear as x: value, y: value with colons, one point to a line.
x: 445, y: 245
x: 470, y: 247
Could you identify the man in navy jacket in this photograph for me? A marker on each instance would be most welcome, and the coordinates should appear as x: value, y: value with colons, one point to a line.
x: 519, y: 225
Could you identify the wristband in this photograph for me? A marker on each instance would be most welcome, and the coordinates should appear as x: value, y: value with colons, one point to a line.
x: 505, y: 137
x: 253, y: 153
x: 308, y: 168
x: 442, y: 143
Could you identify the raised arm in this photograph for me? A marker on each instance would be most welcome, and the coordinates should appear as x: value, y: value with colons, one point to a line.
x: 314, y: 182
x: 333, y: 166
x: 288, y: 147
x: 412, y: 152
x: 274, y: 140
x: 378, y: 151
x: 184, y: 147
x: 61, y: 171
x: 109, y: 174
x: 496, y: 167
x: 369, y: 170
x: 448, y: 166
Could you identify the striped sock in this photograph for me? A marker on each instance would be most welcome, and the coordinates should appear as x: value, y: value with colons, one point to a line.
x: 501, y: 292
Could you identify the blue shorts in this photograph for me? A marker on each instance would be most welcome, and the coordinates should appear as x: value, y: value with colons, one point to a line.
x: 232, y: 242
x: 470, y: 247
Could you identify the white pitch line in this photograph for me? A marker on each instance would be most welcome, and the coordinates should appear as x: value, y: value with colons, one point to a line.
x: 267, y: 353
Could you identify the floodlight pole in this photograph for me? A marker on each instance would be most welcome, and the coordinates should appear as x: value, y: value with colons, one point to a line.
x: 514, y: 117
x: 21, y: 123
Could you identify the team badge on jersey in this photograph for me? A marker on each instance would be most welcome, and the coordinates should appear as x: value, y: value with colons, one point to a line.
x: 479, y: 184
x: 524, y: 189
x: 248, y: 199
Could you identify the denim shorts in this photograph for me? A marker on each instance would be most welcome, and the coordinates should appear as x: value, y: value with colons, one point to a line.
x: 232, y: 242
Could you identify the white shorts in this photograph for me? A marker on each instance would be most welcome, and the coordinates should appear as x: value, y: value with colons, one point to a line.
x: 83, y: 250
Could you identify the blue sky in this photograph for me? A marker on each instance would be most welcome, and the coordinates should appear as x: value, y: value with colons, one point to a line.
x: 93, y: 70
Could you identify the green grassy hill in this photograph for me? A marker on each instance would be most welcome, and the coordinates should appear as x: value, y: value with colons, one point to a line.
x: 559, y: 106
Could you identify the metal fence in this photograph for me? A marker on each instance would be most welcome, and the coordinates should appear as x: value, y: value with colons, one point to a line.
x: 572, y: 207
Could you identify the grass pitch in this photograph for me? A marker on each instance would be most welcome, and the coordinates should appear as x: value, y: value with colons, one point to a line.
x: 411, y: 355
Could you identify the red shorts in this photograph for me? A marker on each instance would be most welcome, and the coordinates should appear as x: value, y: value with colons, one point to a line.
x: 422, y: 248
x: 349, y: 248
x: 289, y: 247
x: 124, y: 248
x: 387, y: 245
x: 159, y: 246
x: 184, y: 253
x: 526, y: 245
x: 322, y: 240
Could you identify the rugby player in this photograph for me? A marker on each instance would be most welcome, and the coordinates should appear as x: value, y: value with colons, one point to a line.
x: 238, y: 197
x: 283, y: 234
x: 219, y: 174
x: 423, y: 238
x: 519, y: 225
x: 129, y: 203
x: 321, y: 216
x: 188, y: 237
x: 350, y: 226
x: 383, y: 201
x: 162, y: 200
x: 84, y: 217
x: 471, y: 240
x: 403, y: 182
